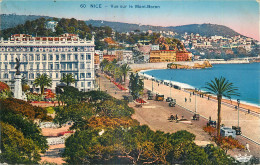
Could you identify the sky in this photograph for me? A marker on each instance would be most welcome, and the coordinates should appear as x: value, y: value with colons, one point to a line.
x: 239, y: 15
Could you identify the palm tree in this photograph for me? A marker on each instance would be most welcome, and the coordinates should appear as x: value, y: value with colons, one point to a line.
x: 67, y: 78
x: 124, y: 69
x: 221, y: 87
x: 42, y: 81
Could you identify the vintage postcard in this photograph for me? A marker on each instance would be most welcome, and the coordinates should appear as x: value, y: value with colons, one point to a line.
x: 129, y: 82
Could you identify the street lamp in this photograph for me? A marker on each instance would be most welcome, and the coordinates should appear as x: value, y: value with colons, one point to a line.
x: 170, y: 88
x: 152, y: 83
x: 238, y: 102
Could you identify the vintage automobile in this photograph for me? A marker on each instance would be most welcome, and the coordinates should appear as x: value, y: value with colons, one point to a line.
x: 169, y: 99
x: 159, y: 97
x: 226, y: 132
x: 172, y: 104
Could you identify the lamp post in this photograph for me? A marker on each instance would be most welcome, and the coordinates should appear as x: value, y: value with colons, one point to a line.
x: 195, y: 101
x: 152, y: 83
x: 238, y: 102
x: 170, y: 89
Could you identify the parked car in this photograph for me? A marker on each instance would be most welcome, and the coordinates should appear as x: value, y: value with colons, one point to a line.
x: 159, y: 97
x: 226, y: 132
x: 169, y: 99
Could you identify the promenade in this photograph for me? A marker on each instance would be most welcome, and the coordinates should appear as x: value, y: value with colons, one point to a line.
x: 155, y: 114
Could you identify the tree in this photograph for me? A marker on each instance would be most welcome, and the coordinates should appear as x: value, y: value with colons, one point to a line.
x: 15, y: 148
x: 136, y: 85
x: 42, y: 81
x: 221, y: 87
x: 67, y: 78
x: 125, y: 68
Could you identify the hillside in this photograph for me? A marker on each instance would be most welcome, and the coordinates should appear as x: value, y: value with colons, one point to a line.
x: 204, y: 29
x: 8, y: 21
x: 12, y: 20
x: 124, y: 27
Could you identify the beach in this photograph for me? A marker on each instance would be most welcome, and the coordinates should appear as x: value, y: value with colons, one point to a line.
x: 250, y: 124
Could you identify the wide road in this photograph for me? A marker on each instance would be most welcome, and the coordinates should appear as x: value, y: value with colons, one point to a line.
x: 155, y: 114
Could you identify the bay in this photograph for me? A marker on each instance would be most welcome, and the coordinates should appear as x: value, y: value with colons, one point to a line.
x: 246, y: 77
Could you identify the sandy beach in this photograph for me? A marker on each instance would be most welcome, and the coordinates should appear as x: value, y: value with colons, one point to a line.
x: 250, y: 124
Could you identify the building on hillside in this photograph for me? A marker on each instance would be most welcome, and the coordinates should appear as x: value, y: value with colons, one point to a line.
x: 109, y: 57
x: 183, y: 56
x: 96, y: 61
x: 162, y: 56
x: 51, y: 25
x: 155, y: 47
x: 100, y: 54
x: 128, y: 56
x: 50, y: 55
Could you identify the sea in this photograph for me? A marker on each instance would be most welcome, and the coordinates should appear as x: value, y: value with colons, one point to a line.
x: 246, y: 77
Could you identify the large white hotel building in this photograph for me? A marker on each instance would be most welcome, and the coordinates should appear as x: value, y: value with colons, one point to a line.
x: 51, y: 55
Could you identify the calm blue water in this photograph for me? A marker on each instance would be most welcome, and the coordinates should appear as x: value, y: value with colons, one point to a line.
x: 244, y: 76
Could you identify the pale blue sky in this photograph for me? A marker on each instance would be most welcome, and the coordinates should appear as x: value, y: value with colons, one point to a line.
x: 242, y: 16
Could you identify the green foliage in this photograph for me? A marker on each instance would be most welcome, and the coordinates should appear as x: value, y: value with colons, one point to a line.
x: 136, y: 85
x: 114, y: 108
x: 96, y: 96
x: 28, y: 128
x: 78, y: 113
x: 15, y: 148
x: 42, y: 81
x: 71, y: 95
x: 218, y: 156
x: 50, y: 110
x: 17, y: 106
x: 67, y: 79
x: 125, y: 69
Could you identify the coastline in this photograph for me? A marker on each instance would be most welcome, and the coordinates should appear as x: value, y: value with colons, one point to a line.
x: 243, y: 104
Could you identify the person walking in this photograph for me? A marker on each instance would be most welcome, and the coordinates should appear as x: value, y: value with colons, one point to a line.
x: 185, y: 99
x: 247, y: 147
x: 190, y: 99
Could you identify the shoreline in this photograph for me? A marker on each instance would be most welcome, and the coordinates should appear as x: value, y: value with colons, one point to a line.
x: 243, y: 103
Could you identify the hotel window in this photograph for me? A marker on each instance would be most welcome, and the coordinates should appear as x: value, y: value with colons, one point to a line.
x: 75, y: 57
x: 89, y: 84
x: 82, y: 84
x: 57, y: 66
x: 82, y: 75
x: 37, y: 57
x: 57, y: 75
x: 82, y: 65
x: 12, y: 57
x: 63, y: 57
x: 50, y: 57
x: 88, y: 66
x: 76, y: 66
x: 31, y: 66
x: 43, y: 66
x: 24, y: 58
x: 82, y: 57
x: 57, y: 57
x: 88, y: 75
x: 50, y: 66
x: 44, y: 57
x: 63, y: 66
x: 31, y: 76
x: 31, y: 57
x: 88, y: 57
x: 5, y: 66
x: 12, y: 66
x: 68, y: 57
x: 5, y: 57
x: 25, y: 67
x: 50, y: 75
x: 5, y: 75
x: 37, y: 66
x: 69, y: 66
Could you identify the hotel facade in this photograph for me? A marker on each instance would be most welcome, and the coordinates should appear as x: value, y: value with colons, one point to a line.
x: 54, y: 56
